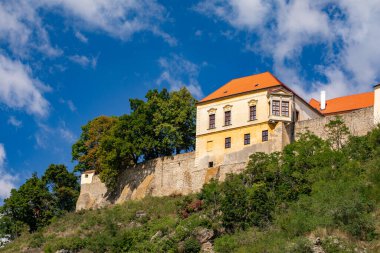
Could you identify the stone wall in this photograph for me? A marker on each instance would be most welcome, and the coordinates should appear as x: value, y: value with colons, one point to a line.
x: 360, y: 122
x: 175, y: 175
x: 159, y: 177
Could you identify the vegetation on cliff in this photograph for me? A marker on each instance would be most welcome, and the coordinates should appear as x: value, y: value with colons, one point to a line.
x: 315, y: 195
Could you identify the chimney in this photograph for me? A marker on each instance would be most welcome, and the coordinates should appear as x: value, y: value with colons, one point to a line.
x: 376, y: 106
x: 323, y: 100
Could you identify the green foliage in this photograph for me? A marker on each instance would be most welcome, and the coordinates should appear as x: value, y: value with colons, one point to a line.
x: 192, y: 246
x: 275, y: 205
x: 337, y: 132
x: 38, y: 200
x: 162, y: 125
x: 86, y: 149
x: 226, y: 244
x: 63, y: 185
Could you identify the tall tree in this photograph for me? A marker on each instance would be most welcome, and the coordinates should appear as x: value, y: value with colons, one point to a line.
x: 38, y: 200
x: 31, y: 204
x: 337, y: 132
x: 63, y: 185
x: 86, y: 148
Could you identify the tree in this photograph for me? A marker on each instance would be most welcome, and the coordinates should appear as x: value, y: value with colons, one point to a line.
x: 337, y: 132
x: 38, y: 200
x: 161, y: 125
x: 63, y: 185
x: 85, y: 150
x: 31, y: 204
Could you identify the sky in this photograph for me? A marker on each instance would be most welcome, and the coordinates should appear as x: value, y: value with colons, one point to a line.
x: 65, y: 62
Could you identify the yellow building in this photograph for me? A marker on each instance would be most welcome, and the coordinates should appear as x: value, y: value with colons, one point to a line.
x: 250, y: 114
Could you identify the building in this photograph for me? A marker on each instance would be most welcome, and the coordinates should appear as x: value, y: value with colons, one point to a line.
x: 256, y: 113
x: 250, y: 114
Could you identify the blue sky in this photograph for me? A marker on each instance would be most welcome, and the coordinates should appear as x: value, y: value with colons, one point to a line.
x: 64, y: 62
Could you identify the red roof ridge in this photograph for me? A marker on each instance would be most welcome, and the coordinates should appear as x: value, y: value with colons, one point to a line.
x: 345, y: 103
x: 244, y: 84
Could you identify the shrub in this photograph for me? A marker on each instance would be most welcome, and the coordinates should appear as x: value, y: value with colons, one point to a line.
x: 225, y: 244
x: 192, y: 245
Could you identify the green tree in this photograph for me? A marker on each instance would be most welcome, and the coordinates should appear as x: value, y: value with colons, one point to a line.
x: 38, y: 200
x: 337, y: 132
x: 63, y: 185
x: 162, y: 125
x: 31, y: 204
x: 85, y: 150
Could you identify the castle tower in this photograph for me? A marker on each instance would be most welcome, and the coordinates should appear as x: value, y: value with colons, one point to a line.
x: 376, y: 106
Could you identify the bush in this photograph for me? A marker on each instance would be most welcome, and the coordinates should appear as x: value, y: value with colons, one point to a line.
x: 301, y: 245
x: 192, y: 245
x: 225, y: 244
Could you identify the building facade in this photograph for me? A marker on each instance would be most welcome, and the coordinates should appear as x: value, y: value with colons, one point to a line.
x: 250, y: 114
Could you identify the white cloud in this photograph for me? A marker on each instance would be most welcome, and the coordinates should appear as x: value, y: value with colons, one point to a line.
x: 81, y: 37
x: 12, y: 120
x: 70, y: 104
x: 46, y: 133
x: 241, y: 14
x: 347, y: 30
x: 120, y: 19
x: 7, y: 181
x: 84, y: 61
x: 22, y: 27
x: 19, y: 90
x: 178, y: 72
x: 22, y: 30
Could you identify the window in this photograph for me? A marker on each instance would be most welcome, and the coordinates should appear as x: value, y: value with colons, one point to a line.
x: 285, y: 108
x: 210, y: 164
x: 210, y: 145
x: 276, y: 107
x: 227, y: 118
x: 86, y: 176
x: 247, y: 139
x: 252, y: 112
x: 211, y: 121
x: 297, y: 115
x: 265, y: 135
x: 227, y: 142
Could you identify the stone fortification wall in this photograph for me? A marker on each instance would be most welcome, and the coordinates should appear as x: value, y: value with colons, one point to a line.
x: 159, y: 177
x: 359, y: 122
x: 174, y: 175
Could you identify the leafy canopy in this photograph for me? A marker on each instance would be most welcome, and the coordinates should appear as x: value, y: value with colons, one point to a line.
x: 161, y: 125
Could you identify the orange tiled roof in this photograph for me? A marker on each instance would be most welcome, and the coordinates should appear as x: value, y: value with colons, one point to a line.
x: 345, y: 104
x: 244, y: 84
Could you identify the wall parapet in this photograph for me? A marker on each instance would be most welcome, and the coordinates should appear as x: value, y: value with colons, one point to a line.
x: 359, y: 122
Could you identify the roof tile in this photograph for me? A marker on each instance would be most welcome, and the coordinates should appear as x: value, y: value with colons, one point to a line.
x: 244, y: 84
x: 345, y: 104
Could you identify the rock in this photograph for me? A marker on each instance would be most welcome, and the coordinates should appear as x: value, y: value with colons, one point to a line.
x: 181, y: 247
x: 156, y: 235
x: 134, y: 224
x: 203, y: 234
x: 207, y: 247
x: 317, y: 241
x: 140, y: 214
x: 63, y: 251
